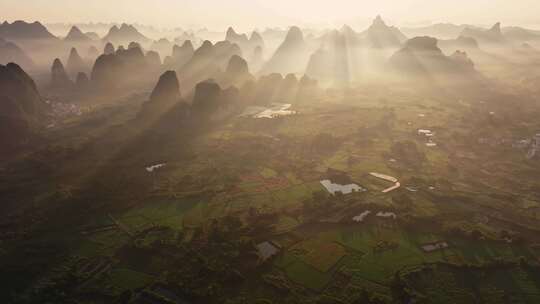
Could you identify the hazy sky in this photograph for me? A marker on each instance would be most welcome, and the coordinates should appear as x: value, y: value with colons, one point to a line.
x: 248, y: 14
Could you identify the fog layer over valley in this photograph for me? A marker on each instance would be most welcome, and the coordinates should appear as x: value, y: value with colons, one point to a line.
x: 299, y: 164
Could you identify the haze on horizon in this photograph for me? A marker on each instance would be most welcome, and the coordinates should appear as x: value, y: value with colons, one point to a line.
x: 249, y: 14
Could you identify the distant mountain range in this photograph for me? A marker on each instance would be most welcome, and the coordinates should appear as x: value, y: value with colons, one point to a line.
x: 492, y: 35
x: 76, y: 35
x: 20, y: 30
x: 10, y: 52
x: 452, y: 31
x: 125, y: 34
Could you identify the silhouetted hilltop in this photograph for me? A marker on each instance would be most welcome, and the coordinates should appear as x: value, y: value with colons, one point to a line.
x: 206, y: 96
x: 247, y: 45
x: 75, y: 63
x: 162, y: 46
x: 180, y: 55
x: 291, y: 56
x: 167, y: 89
x: 124, y: 67
x: 336, y: 60
x: 59, y: 77
x: 76, y: 35
x: 237, y: 66
x: 208, y: 61
x: 135, y: 45
x: 21, y: 106
x: 233, y: 37
x: 422, y: 57
x: 124, y: 34
x: 256, y: 40
x: 237, y: 72
x: 165, y: 108
x: 224, y: 50
x: 351, y: 36
x: 380, y: 35
x: 106, y: 70
x: 133, y: 55
x: 211, y: 102
x: 10, y: 52
x: 20, y: 30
